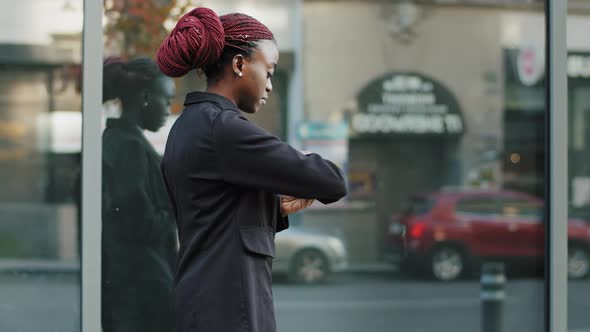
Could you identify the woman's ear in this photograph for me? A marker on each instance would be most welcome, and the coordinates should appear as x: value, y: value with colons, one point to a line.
x: 238, y: 65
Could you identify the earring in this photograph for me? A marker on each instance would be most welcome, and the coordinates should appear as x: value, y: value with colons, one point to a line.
x: 240, y: 74
x: 145, y: 104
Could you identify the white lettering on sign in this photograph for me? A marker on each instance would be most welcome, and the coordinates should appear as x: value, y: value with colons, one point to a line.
x: 418, y: 108
x: 406, y: 83
x: 453, y: 123
x: 407, y: 123
x: 409, y: 98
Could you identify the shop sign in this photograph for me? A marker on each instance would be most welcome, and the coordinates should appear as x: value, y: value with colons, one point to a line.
x: 330, y: 140
x: 323, y: 130
x: 527, y: 65
x: 407, y: 103
x: 530, y: 65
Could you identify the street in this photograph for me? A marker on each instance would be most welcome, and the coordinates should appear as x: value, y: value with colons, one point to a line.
x: 367, y: 302
x: 382, y: 302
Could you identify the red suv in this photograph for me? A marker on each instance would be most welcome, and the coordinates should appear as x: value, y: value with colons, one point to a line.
x: 444, y: 233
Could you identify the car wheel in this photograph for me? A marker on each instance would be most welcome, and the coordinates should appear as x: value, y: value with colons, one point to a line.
x: 309, y: 266
x: 578, y: 262
x: 447, y: 263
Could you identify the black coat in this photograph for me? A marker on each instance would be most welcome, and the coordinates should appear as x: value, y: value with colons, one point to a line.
x: 139, y: 234
x: 223, y: 175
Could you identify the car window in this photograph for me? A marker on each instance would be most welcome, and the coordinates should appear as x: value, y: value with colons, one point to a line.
x: 418, y: 206
x: 482, y: 205
x: 518, y: 207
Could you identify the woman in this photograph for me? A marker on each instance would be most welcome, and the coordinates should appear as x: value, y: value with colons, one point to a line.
x: 139, y: 234
x: 224, y: 174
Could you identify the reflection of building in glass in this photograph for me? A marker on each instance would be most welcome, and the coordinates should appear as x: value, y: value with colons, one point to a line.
x: 406, y: 141
x: 487, y: 54
x: 39, y: 96
x: 402, y: 138
x: 425, y: 114
x: 523, y: 119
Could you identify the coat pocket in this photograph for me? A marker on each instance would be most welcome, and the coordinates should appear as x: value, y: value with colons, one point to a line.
x: 258, y: 240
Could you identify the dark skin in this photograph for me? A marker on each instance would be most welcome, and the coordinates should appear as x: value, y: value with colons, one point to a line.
x: 247, y: 82
x: 250, y: 90
x: 151, y: 106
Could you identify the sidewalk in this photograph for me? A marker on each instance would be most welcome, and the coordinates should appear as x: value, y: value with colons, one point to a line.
x: 38, y: 266
x: 72, y: 266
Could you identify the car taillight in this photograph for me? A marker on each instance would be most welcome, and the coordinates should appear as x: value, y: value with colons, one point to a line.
x: 417, y: 230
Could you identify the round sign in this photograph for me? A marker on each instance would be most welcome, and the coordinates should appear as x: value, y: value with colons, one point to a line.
x: 407, y: 103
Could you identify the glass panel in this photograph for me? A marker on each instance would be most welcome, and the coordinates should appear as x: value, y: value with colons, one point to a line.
x: 139, y: 232
x: 40, y: 149
x: 439, y: 101
x: 578, y: 67
x: 139, y: 240
x: 426, y: 107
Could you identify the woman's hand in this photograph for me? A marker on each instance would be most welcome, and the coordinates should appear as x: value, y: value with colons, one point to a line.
x: 290, y: 204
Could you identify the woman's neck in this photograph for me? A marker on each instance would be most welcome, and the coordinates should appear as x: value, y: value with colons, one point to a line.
x: 130, y: 115
x: 222, y: 90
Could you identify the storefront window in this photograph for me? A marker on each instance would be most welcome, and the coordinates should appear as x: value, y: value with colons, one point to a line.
x: 139, y: 239
x: 40, y: 149
x: 578, y: 72
x: 437, y: 114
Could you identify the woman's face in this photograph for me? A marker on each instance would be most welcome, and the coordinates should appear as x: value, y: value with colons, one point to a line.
x: 255, y: 84
x: 154, y: 114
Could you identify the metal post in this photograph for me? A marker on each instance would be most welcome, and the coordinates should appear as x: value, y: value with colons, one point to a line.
x: 493, y: 281
x: 91, y: 165
x: 557, y: 165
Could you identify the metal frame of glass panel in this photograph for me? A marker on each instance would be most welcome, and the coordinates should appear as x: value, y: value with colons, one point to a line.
x: 556, y: 239
x: 556, y: 162
x: 91, y: 165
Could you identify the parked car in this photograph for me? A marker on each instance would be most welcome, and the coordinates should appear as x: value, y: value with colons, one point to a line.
x: 446, y: 233
x: 307, y: 257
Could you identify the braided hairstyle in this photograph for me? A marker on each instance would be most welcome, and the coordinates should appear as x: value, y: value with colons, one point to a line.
x: 124, y: 79
x: 202, y: 40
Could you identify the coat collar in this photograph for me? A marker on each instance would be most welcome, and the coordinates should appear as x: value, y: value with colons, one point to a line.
x: 123, y: 124
x: 199, y: 97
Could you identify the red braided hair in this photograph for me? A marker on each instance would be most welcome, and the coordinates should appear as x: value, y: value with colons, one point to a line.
x: 200, y: 36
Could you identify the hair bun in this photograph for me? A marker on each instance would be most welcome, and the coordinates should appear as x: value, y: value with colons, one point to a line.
x: 113, y: 72
x: 197, y: 40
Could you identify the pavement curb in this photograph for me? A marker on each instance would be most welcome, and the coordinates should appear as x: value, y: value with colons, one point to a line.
x: 38, y: 266
x: 73, y: 266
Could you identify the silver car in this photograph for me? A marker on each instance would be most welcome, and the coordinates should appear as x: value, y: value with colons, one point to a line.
x: 308, y: 257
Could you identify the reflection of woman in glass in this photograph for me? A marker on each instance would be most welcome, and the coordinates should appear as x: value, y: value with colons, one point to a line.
x: 139, y: 234
x: 223, y: 174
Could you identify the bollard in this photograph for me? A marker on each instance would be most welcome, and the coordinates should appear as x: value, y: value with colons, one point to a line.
x: 493, y: 281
